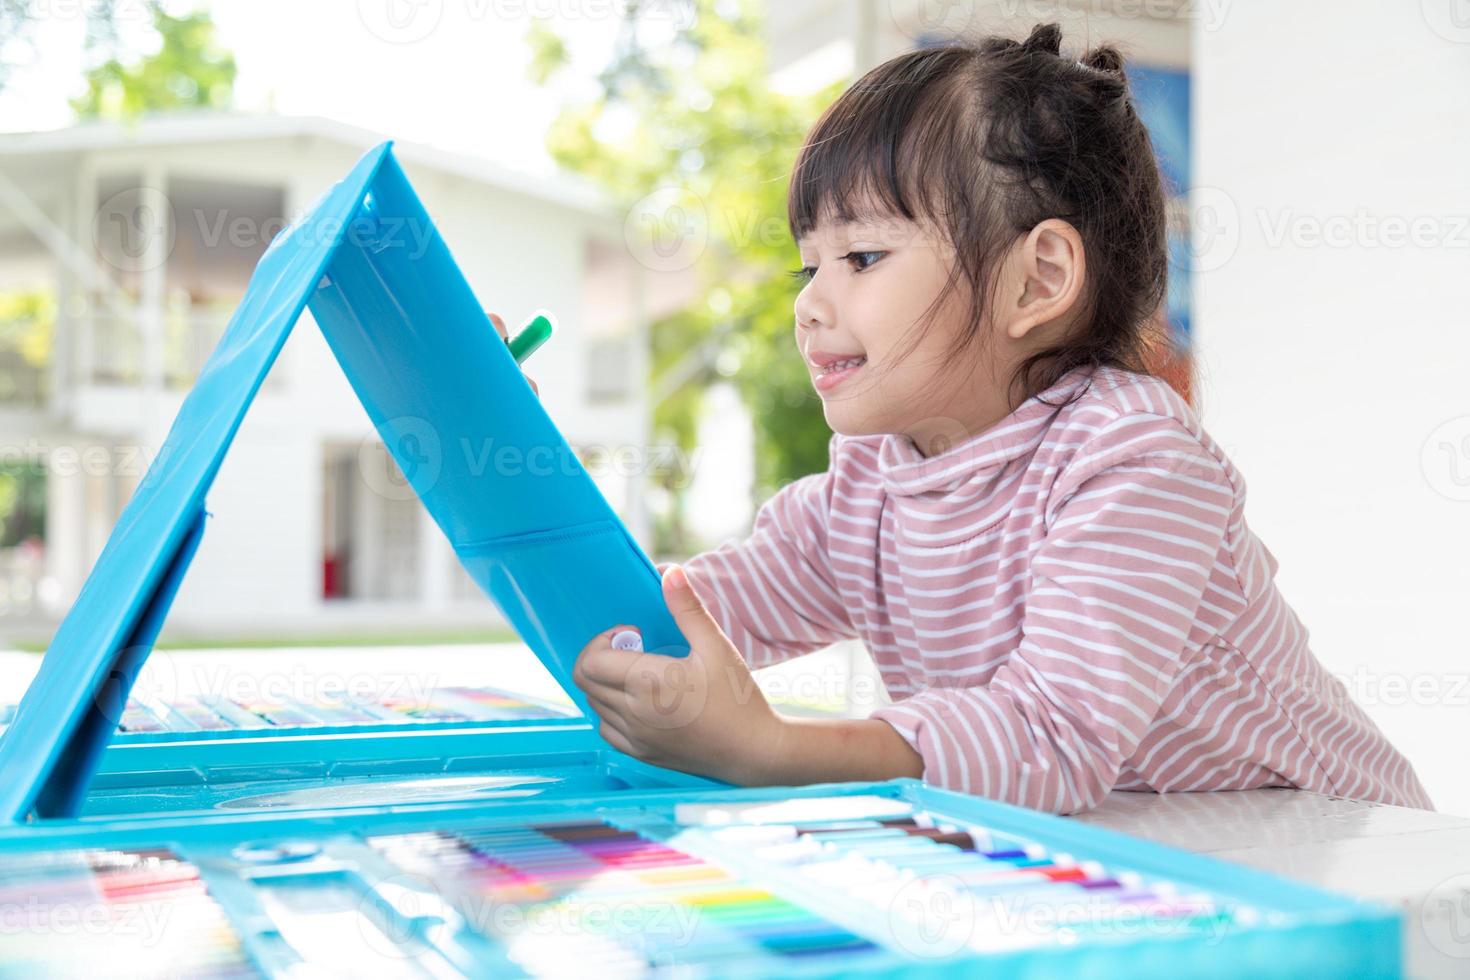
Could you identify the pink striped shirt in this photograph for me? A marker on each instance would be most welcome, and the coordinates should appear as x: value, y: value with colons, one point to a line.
x: 1068, y: 603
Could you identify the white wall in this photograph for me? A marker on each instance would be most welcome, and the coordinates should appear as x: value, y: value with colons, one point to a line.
x: 1335, y: 360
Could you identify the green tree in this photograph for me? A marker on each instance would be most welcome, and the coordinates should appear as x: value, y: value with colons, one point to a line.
x: 27, y: 324
x: 189, y: 69
x: 693, y: 120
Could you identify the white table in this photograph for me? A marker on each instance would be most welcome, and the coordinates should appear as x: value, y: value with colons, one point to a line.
x: 1416, y: 859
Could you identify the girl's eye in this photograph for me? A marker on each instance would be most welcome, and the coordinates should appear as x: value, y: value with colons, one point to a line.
x: 863, y: 261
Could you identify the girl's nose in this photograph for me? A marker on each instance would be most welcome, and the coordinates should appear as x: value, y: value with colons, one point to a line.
x: 811, y: 311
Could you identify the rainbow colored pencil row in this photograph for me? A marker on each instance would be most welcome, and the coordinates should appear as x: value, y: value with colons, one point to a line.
x: 216, y: 713
x: 102, y: 913
x: 936, y: 886
x: 590, y: 892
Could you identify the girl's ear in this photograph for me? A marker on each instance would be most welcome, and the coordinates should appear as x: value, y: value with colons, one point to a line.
x: 1051, y: 269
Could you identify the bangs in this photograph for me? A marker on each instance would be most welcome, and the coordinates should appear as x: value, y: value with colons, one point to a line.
x: 901, y: 142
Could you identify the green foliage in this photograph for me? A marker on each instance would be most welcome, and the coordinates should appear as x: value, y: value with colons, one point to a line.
x: 22, y: 502
x: 27, y: 321
x: 188, y: 70
x: 696, y: 113
x: 27, y: 326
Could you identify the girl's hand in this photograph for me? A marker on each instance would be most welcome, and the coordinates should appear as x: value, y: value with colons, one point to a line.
x: 702, y: 713
x: 505, y: 336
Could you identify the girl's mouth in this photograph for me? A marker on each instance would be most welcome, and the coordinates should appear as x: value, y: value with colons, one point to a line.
x: 837, y: 372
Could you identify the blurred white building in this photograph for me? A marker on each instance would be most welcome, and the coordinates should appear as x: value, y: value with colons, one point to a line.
x: 815, y: 42
x: 144, y: 237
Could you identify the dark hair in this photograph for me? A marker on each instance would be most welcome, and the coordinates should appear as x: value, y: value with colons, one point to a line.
x: 985, y: 140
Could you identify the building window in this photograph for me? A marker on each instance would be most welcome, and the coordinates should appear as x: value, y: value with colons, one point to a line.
x: 370, y: 526
x: 609, y: 370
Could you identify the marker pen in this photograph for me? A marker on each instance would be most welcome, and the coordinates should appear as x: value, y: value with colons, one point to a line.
x: 532, y: 336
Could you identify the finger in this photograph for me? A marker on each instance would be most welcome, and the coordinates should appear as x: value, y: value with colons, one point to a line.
x: 533, y: 386
x: 616, y: 739
x: 602, y: 641
x: 695, y: 621
x: 601, y: 664
x: 499, y: 326
x: 612, y: 698
x: 605, y: 703
x: 609, y: 715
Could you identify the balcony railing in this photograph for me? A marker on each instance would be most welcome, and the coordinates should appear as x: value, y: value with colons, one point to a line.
x: 109, y: 346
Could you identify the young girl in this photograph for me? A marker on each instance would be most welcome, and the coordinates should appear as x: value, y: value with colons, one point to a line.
x: 1045, y: 552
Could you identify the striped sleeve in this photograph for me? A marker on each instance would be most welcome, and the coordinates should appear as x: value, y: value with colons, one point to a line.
x: 1137, y: 523
x: 774, y: 593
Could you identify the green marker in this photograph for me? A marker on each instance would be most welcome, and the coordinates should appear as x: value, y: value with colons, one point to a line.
x: 532, y: 336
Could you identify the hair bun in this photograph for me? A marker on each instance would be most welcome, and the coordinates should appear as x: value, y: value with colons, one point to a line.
x: 1104, y: 58
x: 1044, y: 37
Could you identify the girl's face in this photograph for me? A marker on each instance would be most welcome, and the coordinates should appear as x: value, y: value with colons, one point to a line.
x: 870, y: 283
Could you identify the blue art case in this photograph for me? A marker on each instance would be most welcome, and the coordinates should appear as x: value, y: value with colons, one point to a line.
x: 248, y: 829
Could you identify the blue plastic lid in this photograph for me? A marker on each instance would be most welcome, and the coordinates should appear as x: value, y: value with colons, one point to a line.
x: 451, y: 405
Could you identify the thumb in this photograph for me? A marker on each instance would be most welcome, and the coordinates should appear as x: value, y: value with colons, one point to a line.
x: 689, y: 612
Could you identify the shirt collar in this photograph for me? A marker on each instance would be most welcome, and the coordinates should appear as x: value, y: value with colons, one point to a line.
x: 905, y: 472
